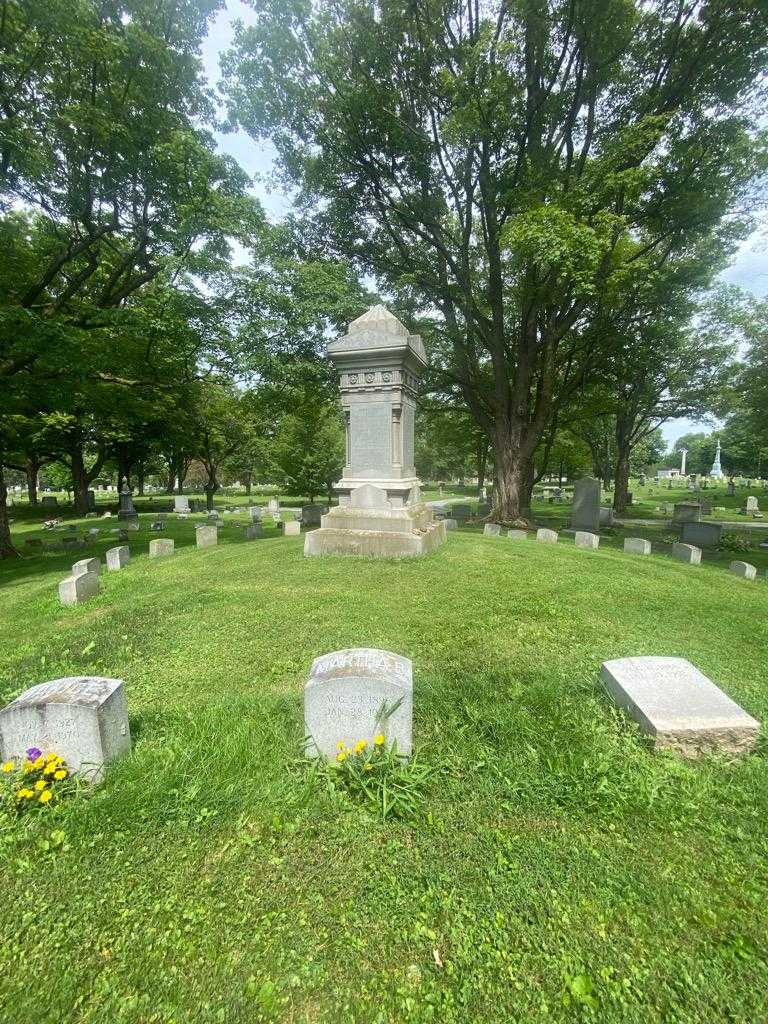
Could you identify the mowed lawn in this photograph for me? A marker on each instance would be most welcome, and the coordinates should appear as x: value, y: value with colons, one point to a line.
x: 558, y: 870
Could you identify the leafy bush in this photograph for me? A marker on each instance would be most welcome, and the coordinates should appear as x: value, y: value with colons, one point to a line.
x: 380, y: 778
x: 737, y: 542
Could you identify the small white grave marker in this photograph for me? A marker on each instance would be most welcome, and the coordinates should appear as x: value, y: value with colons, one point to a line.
x: 358, y: 694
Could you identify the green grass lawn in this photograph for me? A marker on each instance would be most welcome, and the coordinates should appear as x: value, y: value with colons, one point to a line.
x: 557, y: 871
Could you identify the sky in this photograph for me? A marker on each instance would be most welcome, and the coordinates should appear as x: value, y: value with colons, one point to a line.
x: 749, y: 269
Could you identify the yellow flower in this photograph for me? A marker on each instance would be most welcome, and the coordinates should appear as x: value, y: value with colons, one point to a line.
x: 340, y: 745
x: 8, y: 766
x: 51, y: 758
x: 40, y: 784
x: 49, y: 769
x: 360, y: 746
x: 39, y: 762
x: 368, y: 767
x: 379, y: 740
x: 24, y: 794
x: 341, y: 757
x: 45, y: 797
x: 60, y: 774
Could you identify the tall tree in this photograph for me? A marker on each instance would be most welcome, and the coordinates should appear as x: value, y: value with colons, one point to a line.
x: 510, y: 163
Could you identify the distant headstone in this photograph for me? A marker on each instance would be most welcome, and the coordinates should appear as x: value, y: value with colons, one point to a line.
x: 585, y: 515
x: 127, y: 510
x: 161, y: 548
x: 118, y: 558
x: 517, y: 534
x: 83, y: 719
x: 731, y: 489
x: 675, y: 704
x: 637, y: 546
x: 121, y: 534
x: 358, y: 694
x: 255, y: 513
x: 311, y: 515
x: 451, y: 524
x: 688, y: 553
x: 606, y: 516
x: 461, y: 512
x: 491, y: 530
x: 49, y: 501
x: 91, y: 499
x: 743, y: 569
x: 86, y: 565
x: 483, y: 508
x: 273, y: 505
x: 206, y: 536
x: 704, y: 535
x: 687, y: 512
x: 76, y: 589
x: 584, y: 539
x: 181, y: 503
x: 254, y: 531
x: 751, y: 504
x: 291, y: 529
x: 546, y: 536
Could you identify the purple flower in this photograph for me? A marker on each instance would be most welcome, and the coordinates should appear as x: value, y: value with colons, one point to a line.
x: 33, y: 753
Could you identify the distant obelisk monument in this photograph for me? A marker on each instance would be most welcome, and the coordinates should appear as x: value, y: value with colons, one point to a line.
x: 380, y: 510
x: 717, y: 470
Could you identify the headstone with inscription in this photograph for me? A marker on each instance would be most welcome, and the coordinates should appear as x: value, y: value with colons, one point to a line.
x: 517, y: 534
x: 379, y: 365
x: 255, y: 512
x: 358, y: 694
x: 206, y: 536
x: 492, y: 530
x: 678, y: 706
x: 118, y: 557
x: 181, y: 503
x: 86, y: 565
x: 585, y: 539
x: 687, y: 553
x: 83, y: 719
x: 291, y: 528
x: 254, y: 531
x: 746, y: 570
x: 637, y: 546
x: 76, y: 589
x: 544, y: 536
x: 161, y: 548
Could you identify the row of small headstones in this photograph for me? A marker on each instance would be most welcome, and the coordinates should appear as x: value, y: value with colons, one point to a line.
x: 362, y: 698
x: 688, y: 553
x: 83, y: 581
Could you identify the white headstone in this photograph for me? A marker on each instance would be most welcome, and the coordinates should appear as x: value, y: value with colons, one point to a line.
x: 517, y: 534
x: 491, y: 530
x: 76, y: 589
x: 83, y: 719
x: 546, y: 536
x: 637, y: 546
x: 291, y: 528
x: 743, y: 569
x: 752, y: 505
x: 677, y: 705
x: 160, y: 548
x: 688, y: 553
x: 206, y: 536
x: 118, y: 557
x: 181, y: 503
x: 358, y: 694
x: 588, y: 540
x: 86, y: 565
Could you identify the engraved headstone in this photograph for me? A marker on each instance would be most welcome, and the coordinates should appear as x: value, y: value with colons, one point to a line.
x: 688, y: 553
x: 584, y: 539
x: 254, y: 531
x: 181, y: 503
x: 273, y: 505
x: 678, y: 706
x: 585, y: 516
x: 517, y: 534
x: 546, y: 536
x: 84, y: 719
x: 255, y: 512
x: 118, y: 557
x: 746, y: 570
x: 637, y: 546
x: 86, y: 565
x: 291, y: 529
x: 492, y: 530
x: 206, y: 536
x: 76, y: 589
x: 751, y: 504
x: 358, y: 694
x: 161, y: 548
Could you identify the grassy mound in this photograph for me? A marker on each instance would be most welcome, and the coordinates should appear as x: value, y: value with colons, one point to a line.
x: 557, y: 871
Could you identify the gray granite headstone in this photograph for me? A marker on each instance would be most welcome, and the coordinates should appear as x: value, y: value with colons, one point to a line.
x: 637, y: 546
x: 546, y: 536
x: 254, y: 531
x: 49, y: 501
x: 451, y: 524
x: 585, y: 539
x: 118, y: 557
x: 746, y: 570
x: 86, y: 565
x: 606, y: 516
x: 705, y: 535
x: 585, y: 515
x: 357, y: 694
x: 688, y: 553
x: 517, y: 534
x: 76, y: 589
x: 687, y: 512
x: 677, y: 705
x: 255, y: 512
x: 83, y: 719
x: 206, y: 536
x: 160, y: 548
x: 492, y: 530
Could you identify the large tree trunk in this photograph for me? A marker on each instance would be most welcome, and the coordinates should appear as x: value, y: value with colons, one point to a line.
x: 481, y: 463
x: 79, y: 479
x: 32, y: 470
x: 210, y: 489
x: 7, y: 550
x: 513, y: 475
x: 141, y: 479
x: 248, y: 478
x: 623, y: 451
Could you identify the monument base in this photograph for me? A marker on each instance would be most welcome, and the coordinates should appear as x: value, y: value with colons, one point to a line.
x: 377, y: 532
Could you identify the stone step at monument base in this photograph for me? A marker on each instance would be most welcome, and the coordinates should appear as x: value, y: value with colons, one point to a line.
x: 377, y: 533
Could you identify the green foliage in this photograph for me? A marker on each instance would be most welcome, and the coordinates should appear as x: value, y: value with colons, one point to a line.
x: 735, y: 542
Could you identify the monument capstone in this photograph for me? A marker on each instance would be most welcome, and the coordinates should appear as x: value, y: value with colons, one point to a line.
x: 380, y: 512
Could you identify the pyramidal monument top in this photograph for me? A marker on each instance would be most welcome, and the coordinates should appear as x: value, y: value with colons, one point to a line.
x: 377, y: 318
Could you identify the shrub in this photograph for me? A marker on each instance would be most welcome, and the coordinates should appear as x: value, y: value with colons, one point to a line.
x: 737, y: 542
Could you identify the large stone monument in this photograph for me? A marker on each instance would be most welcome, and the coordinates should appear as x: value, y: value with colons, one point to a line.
x: 127, y: 510
x: 717, y: 471
x: 586, y: 505
x: 380, y: 512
